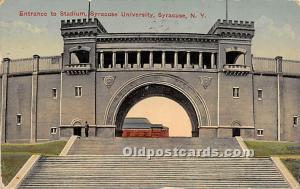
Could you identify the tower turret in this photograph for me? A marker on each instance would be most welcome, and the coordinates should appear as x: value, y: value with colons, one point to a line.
x: 81, y: 27
x: 80, y: 37
x: 230, y: 28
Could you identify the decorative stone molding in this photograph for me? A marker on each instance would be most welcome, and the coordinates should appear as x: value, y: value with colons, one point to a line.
x: 236, y: 123
x: 78, y: 69
x: 144, y: 38
x: 109, y: 80
x: 78, y: 48
x: 76, y: 122
x: 205, y: 81
x: 236, y: 69
x: 198, y: 103
x: 235, y: 48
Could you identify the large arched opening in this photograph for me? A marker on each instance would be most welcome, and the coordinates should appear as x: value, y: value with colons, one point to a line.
x: 156, y: 90
x: 157, y: 85
x: 161, y: 111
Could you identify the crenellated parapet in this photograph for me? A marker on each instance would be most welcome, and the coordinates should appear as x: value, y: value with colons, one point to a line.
x: 81, y: 27
x: 233, y: 28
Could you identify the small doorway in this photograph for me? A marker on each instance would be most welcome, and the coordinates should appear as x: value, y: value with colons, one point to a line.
x: 236, y: 132
x: 77, y: 131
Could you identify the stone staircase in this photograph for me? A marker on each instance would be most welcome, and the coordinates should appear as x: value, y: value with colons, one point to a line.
x: 159, y: 172
x: 114, y: 146
x: 99, y: 163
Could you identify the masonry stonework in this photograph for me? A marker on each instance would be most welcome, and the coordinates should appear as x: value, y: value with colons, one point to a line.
x: 101, y: 75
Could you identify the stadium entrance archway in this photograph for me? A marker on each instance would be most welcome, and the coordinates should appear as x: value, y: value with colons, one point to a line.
x: 163, y: 85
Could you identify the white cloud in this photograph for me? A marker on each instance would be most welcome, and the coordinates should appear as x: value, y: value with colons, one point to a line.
x: 268, y: 25
x: 296, y: 1
x: 1, y: 2
x: 274, y: 39
x: 20, y: 39
x: 21, y: 25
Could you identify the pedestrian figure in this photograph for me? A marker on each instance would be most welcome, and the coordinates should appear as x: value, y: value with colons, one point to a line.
x: 87, y: 127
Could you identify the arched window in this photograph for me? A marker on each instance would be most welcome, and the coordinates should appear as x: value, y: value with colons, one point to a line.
x: 79, y: 55
x: 235, y: 56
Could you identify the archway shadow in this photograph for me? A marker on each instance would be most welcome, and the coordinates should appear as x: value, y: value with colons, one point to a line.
x: 156, y: 90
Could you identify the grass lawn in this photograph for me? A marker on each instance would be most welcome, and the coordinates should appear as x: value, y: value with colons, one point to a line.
x: 15, y: 155
x: 267, y: 149
x: 294, y: 166
x: 289, y: 152
x: 11, y: 164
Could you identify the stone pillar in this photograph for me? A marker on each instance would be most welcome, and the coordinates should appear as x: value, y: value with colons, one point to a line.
x: 188, y: 60
x: 176, y: 60
x: 114, y: 60
x: 138, y: 59
x: 216, y: 60
x: 34, y: 83
x: 126, y: 60
x: 36, y: 63
x: 279, y: 83
x: 278, y: 60
x: 101, y: 59
x: 212, y: 64
x: 5, y: 71
x: 200, y: 60
x: 163, y: 59
x: 151, y: 59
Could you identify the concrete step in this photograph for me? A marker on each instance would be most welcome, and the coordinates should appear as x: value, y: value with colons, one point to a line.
x: 138, y: 172
x: 115, y: 146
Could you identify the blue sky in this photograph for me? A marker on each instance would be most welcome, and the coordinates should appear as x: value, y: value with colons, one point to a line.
x: 276, y: 22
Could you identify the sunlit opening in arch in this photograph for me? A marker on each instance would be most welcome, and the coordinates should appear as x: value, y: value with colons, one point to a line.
x: 162, y: 110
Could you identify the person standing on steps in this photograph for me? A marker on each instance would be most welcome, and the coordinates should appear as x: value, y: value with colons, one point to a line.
x: 86, y: 127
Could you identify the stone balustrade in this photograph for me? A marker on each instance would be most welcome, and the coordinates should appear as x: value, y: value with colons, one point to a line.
x: 157, y: 60
x: 78, y: 69
x: 236, y: 69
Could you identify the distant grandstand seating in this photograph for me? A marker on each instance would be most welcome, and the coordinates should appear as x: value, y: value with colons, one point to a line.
x: 141, y: 127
